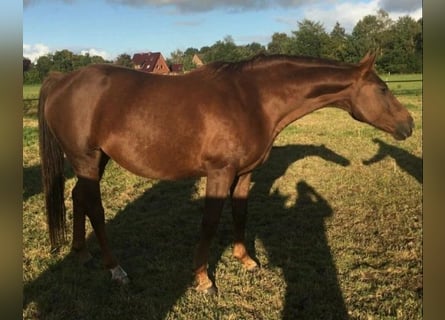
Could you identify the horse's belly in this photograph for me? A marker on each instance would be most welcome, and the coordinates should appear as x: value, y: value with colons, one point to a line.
x: 156, y: 162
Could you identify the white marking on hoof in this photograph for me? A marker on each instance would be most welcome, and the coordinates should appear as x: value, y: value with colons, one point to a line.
x: 118, y: 274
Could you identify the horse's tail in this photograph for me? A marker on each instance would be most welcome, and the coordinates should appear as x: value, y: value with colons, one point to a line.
x: 52, y: 163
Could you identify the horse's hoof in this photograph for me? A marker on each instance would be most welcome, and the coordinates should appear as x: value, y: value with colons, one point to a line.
x: 119, y: 275
x: 212, y: 291
x: 253, y: 269
x: 251, y: 266
x: 207, y: 287
x: 123, y: 281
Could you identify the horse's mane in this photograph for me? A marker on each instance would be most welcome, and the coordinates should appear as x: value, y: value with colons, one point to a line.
x: 264, y: 61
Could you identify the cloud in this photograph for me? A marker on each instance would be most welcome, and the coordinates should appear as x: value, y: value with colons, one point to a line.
x: 203, y: 6
x: 401, y: 5
x: 95, y: 52
x: 27, y: 3
x: 347, y: 13
x: 34, y: 51
x: 406, y: 6
x: 188, y: 6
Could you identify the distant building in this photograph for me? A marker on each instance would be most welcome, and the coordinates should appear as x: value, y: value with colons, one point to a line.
x: 177, y: 68
x: 197, y: 61
x: 151, y: 62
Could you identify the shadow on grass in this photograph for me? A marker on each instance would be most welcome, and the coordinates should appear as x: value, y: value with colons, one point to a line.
x: 409, y: 163
x: 295, y: 238
x: 154, y: 238
x: 32, y: 180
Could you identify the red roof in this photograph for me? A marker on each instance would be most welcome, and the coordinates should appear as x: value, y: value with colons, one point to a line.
x: 146, y: 61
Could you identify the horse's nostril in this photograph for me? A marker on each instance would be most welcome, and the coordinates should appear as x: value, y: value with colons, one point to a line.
x: 404, y: 129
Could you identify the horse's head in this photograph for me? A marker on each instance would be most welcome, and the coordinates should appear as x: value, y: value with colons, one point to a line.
x: 372, y: 102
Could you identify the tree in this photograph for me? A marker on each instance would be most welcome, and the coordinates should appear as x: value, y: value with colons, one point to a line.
x: 337, y: 44
x: 124, y: 59
x: 176, y: 57
x: 82, y: 60
x: 63, y: 61
x: 253, y: 49
x: 280, y: 44
x: 187, y: 61
x: 419, y: 45
x: 225, y: 50
x: 191, y: 51
x: 400, y: 52
x: 26, y: 64
x: 98, y: 59
x: 311, y: 39
x: 370, y: 34
x: 44, y: 65
x: 30, y: 73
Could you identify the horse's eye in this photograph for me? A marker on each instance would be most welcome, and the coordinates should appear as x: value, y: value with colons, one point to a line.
x: 383, y: 89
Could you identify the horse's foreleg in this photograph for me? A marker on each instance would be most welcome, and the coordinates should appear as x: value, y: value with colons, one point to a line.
x: 239, y: 193
x: 217, y: 189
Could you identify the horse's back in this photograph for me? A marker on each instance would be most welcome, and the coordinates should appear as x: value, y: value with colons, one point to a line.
x: 155, y: 126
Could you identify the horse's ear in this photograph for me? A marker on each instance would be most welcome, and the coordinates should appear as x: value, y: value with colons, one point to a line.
x: 367, y: 63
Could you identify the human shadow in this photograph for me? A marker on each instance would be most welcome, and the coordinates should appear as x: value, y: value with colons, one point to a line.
x: 409, y: 163
x: 295, y: 238
x: 160, y: 266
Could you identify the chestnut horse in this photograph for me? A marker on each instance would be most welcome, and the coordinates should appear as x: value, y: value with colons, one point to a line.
x: 219, y: 121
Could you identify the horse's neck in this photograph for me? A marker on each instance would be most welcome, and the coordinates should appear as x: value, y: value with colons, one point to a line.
x: 288, y: 96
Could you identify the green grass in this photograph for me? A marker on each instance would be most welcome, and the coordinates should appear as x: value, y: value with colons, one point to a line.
x: 409, y: 85
x: 31, y: 91
x: 335, y: 219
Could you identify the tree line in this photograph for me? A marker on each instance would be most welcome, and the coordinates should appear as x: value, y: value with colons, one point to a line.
x: 398, y: 44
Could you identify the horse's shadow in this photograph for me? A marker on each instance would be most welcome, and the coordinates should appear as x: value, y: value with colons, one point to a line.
x: 409, y: 163
x: 32, y: 180
x: 160, y: 266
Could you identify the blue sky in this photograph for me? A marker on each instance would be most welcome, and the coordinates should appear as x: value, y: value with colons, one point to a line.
x: 111, y: 27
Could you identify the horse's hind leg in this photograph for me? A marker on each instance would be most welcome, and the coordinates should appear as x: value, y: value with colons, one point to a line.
x: 239, y: 193
x: 79, y: 211
x: 87, y: 201
x: 79, y: 244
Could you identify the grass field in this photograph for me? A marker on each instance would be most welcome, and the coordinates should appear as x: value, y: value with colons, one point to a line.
x: 335, y: 220
x: 31, y: 91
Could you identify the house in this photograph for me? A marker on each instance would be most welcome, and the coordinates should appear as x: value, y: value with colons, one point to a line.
x: 197, y: 61
x: 151, y: 62
x: 176, y: 68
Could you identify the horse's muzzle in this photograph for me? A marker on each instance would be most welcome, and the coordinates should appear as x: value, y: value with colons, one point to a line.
x: 404, y: 129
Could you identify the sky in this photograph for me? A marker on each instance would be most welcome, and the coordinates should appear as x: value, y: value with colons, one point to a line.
x: 109, y: 28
